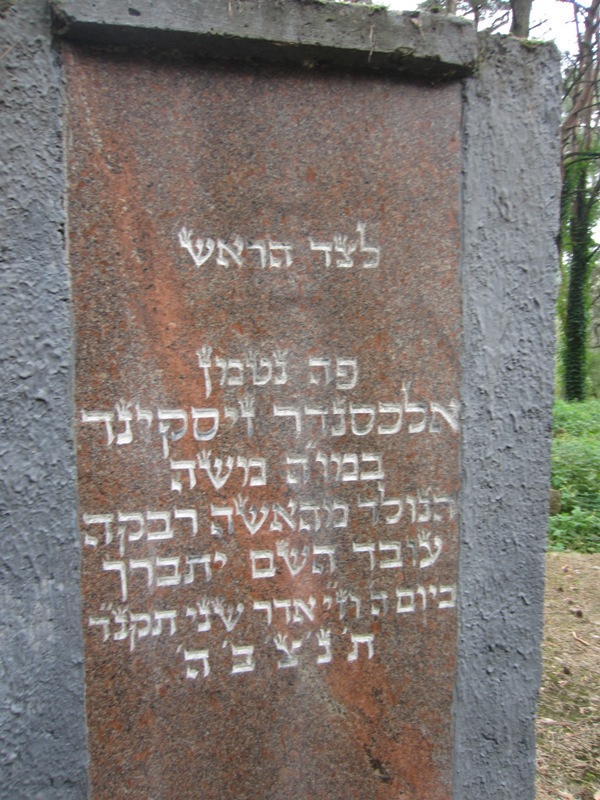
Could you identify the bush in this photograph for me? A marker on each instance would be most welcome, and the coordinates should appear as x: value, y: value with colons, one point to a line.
x: 576, y: 475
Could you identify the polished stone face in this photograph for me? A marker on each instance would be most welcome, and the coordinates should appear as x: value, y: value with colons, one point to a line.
x: 267, y: 305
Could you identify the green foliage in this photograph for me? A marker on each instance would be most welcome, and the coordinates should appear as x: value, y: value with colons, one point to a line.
x: 576, y: 475
x: 579, y: 214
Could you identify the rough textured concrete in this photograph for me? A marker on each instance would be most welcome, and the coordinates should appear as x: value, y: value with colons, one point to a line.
x: 301, y: 31
x: 509, y: 222
x: 42, y: 734
x: 510, y: 218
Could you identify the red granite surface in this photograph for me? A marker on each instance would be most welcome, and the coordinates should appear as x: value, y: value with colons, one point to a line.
x: 339, y: 683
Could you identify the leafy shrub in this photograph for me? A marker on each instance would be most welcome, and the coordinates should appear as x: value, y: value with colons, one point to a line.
x: 576, y: 475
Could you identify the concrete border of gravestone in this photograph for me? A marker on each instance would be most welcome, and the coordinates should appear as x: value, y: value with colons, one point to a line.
x: 510, y: 218
x: 43, y: 752
x: 303, y: 31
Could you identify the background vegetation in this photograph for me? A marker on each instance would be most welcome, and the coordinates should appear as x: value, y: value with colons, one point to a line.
x: 576, y: 477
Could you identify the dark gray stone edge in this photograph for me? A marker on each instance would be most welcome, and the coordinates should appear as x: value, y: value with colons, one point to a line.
x: 309, y: 32
x: 510, y: 206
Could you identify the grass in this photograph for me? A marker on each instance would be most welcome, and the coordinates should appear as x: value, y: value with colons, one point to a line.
x: 576, y: 477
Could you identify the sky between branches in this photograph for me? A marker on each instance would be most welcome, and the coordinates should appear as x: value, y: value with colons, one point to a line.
x: 555, y: 16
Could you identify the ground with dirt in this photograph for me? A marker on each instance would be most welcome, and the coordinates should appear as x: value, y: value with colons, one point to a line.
x: 568, y: 727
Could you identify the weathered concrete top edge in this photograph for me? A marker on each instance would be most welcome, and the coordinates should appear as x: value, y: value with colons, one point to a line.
x: 310, y: 31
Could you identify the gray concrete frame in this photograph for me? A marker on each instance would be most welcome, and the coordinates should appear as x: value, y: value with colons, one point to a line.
x: 510, y: 203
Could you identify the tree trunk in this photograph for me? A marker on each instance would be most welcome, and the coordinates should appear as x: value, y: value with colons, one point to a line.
x: 575, y: 357
x: 521, y: 11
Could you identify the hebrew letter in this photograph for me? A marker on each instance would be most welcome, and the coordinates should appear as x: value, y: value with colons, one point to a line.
x: 288, y: 659
x: 324, y: 247
x: 143, y: 416
x: 451, y: 601
x: 391, y: 502
x: 440, y: 501
x: 101, y: 416
x: 262, y: 555
x: 144, y: 563
x: 379, y: 603
x: 286, y: 605
x: 168, y: 580
x: 449, y: 415
x: 159, y: 616
x: 345, y: 250
x: 166, y: 531
x: 196, y: 655
x: 423, y: 592
x: 323, y: 460
x: 98, y: 519
x: 307, y: 609
x: 188, y: 513
x: 402, y: 595
x: 429, y: 560
x: 252, y: 518
x: 279, y: 515
x: 346, y: 373
x: 247, y: 412
x: 232, y: 371
x: 289, y: 411
x: 137, y: 632
x: 366, y: 548
x: 264, y: 605
x: 280, y: 363
x: 424, y: 515
x: 294, y: 560
x: 339, y: 410
x: 135, y: 535
x: 220, y: 558
x: 124, y: 415
x: 373, y: 252
x: 323, y: 550
x: 121, y: 618
x: 218, y: 472
x: 211, y: 414
x: 320, y: 363
x: 221, y: 511
x: 324, y: 641
x: 247, y: 663
x: 390, y: 563
x: 373, y: 505
x: 367, y: 424
x: 228, y: 615
x: 262, y: 369
x: 262, y: 252
x: 414, y: 408
x: 358, y: 639
x: 196, y: 249
x: 313, y: 525
x: 104, y: 622
x: 349, y: 460
x: 225, y: 252
x: 376, y: 474
x: 300, y: 477
x: 396, y: 425
x: 260, y: 465
x: 165, y: 416
x: 190, y: 466
x: 192, y: 561
x: 337, y: 514
x: 118, y: 566
x: 204, y: 362
x: 276, y: 263
x: 204, y: 610
x: 318, y: 411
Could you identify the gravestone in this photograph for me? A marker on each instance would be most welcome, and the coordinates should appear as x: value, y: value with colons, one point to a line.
x: 290, y: 229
